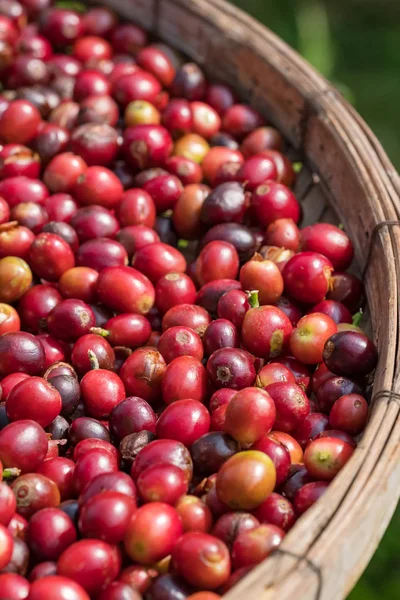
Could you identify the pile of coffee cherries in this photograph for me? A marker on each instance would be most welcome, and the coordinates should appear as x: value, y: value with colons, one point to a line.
x: 181, y: 375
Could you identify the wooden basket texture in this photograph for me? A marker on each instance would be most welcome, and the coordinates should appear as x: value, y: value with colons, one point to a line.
x: 347, y: 178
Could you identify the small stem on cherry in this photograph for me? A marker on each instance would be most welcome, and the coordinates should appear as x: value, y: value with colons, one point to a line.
x: 11, y: 473
x: 94, y: 363
x: 100, y: 331
x: 253, y: 298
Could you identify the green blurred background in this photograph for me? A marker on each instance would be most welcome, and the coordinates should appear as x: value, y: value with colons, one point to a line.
x: 356, y: 45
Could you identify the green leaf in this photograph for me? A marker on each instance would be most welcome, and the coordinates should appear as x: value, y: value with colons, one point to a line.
x: 71, y: 5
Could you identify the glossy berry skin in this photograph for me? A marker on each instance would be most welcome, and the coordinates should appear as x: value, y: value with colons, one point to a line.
x: 202, y: 560
x: 23, y: 445
x: 225, y: 204
x: 349, y: 414
x: 233, y: 306
x: 350, y: 353
x: 117, y: 590
x: 310, y: 428
x: 187, y: 211
x: 6, y: 542
x: 108, y: 482
x: 127, y: 330
x: 250, y: 415
x: 63, y: 171
x: 161, y: 452
x: 162, y: 483
x: 96, y: 144
x: 36, y: 304
x: 101, y: 564
x: 56, y: 587
x: 245, y: 480
x: 131, y: 416
x: 309, y: 337
x: 44, y: 401
x: 15, y: 278
x: 92, y: 350
x: 173, y: 289
x: 34, y: 492
x: 187, y: 315
x: 271, y: 201
x: 19, y: 122
x: 262, y: 138
x: 15, y: 240
x: 50, y: 531
x: 217, y: 260
x: 333, y: 309
x: 8, y: 503
x: 9, y: 319
x: 231, y: 524
x: 306, y: 276
x: 98, y: 185
x: 125, y: 290
x: 94, y: 221
x: 273, y: 331
x: 221, y: 333
x: 89, y: 444
x: 272, y: 373
x: 185, y: 421
x: 265, y: 276
x: 60, y: 470
x: 142, y: 374
x: 157, y: 260
x: 195, y: 514
x: 180, y: 341
x: 189, y: 82
x: 21, y: 352
x: 276, y: 510
x: 136, y: 208
x: 101, y: 391
x: 290, y: 443
x: 152, y: 533
x: 50, y: 256
x: 60, y: 207
x: 239, y: 236
x: 14, y: 586
x: 251, y: 547
x: 185, y: 377
x: 9, y: 382
x: 95, y: 462
x: 231, y: 367
x: 165, y: 191
x: 308, y: 495
x: 106, y: 516
x: 101, y: 253
x: 146, y: 146
x: 278, y: 453
x: 16, y: 159
x: 86, y: 427
x: 283, y: 233
x: 324, y: 457
x: 134, y: 237
x: 16, y: 190
x: 210, y: 293
x: 292, y: 405
x: 348, y: 289
x: 211, y: 451
x: 240, y: 119
x: 70, y: 319
x: 330, y: 241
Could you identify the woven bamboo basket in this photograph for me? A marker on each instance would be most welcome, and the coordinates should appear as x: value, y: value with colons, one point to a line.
x: 347, y: 178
